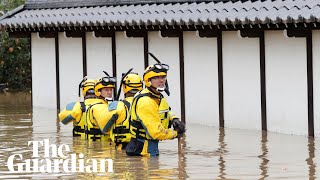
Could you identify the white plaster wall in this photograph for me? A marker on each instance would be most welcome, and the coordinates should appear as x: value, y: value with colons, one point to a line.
x: 130, y: 54
x: 286, y: 83
x: 71, y: 68
x: 167, y: 51
x: 99, y: 56
x: 43, y: 72
x: 201, y: 79
x: 241, y: 81
x: 316, y: 81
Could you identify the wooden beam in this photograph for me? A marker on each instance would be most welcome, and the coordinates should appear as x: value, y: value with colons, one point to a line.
x: 171, y: 33
x: 114, y: 60
x: 102, y: 33
x: 263, y: 81
x: 310, y: 83
x: 75, y: 34
x: 146, y: 50
x: 20, y: 34
x: 296, y: 32
x: 30, y: 50
x: 136, y: 33
x: 84, y: 54
x: 251, y: 33
x: 208, y: 33
x: 57, y: 72
x: 220, y: 80
x: 182, y: 83
x: 48, y: 34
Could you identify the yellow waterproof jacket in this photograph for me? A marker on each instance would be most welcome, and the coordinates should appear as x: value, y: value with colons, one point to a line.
x: 165, y: 113
x: 76, y: 112
x: 79, y: 112
x: 144, y: 111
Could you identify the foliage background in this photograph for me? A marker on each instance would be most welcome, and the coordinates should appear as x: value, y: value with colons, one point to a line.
x: 15, y: 61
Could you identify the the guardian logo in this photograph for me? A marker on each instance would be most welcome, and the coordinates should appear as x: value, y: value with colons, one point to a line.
x: 53, y: 159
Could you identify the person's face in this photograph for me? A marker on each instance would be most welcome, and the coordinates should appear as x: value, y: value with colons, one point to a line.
x: 107, y: 92
x: 158, y: 81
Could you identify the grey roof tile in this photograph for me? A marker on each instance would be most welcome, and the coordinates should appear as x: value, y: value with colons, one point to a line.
x: 184, y: 13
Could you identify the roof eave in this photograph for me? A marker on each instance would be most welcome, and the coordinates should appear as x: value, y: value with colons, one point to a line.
x: 12, y: 12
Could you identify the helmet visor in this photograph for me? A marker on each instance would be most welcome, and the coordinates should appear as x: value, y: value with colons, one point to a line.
x: 161, y: 66
x: 108, y: 80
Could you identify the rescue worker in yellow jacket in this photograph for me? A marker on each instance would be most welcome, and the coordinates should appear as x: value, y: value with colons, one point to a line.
x: 120, y: 133
x: 103, y: 90
x: 145, y: 122
x: 76, y: 111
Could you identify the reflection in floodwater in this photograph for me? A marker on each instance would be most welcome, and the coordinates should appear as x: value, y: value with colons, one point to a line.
x: 182, y: 159
x: 264, y: 156
x: 206, y: 152
x: 310, y: 159
x: 222, y: 151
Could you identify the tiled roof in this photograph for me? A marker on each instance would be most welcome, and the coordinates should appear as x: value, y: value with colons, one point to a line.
x: 40, y: 4
x: 196, y: 13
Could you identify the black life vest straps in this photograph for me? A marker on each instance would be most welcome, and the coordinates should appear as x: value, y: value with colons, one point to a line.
x: 83, y: 106
x: 127, y: 104
x: 137, y: 123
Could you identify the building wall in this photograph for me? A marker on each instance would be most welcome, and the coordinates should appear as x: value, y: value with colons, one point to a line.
x: 43, y: 72
x: 130, y: 54
x: 241, y: 81
x: 316, y: 81
x: 201, y: 79
x: 99, y: 56
x: 286, y: 83
x: 71, y: 68
x: 167, y: 51
x: 286, y: 75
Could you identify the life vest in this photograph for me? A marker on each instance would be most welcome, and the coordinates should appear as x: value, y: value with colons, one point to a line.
x: 165, y: 113
x: 78, y: 126
x: 92, y: 129
x: 76, y: 112
x: 120, y: 133
x: 136, y: 127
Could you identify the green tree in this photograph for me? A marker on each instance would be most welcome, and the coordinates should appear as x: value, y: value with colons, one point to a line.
x: 15, y: 61
x: 7, y: 5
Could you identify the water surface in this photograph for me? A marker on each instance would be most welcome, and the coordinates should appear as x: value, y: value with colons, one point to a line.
x: 206, y: 152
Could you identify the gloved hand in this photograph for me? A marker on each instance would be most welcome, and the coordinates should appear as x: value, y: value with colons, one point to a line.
x: 178, y: 126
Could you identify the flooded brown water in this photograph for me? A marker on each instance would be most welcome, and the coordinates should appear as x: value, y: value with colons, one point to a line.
x: 207, y: 152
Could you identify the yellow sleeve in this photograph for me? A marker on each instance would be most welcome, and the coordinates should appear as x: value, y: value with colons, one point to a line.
x: 122, y: 112
x: 147, y: 110
x: 70, y: 113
